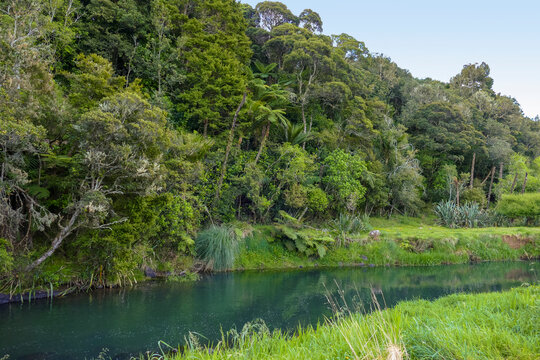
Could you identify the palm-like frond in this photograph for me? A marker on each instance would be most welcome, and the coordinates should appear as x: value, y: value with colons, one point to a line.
x: 294, y: 133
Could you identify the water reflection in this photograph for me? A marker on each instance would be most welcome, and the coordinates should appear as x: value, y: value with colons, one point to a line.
x: 129, y: 321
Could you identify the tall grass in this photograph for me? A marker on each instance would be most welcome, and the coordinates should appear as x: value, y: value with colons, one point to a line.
x: 475, y: 326
x: 217, y: 246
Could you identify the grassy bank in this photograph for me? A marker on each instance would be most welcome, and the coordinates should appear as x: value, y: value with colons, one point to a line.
x: 402, y: 241
x: 481, y: 326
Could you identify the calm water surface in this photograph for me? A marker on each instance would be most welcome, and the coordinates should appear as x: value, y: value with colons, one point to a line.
x: 130, y: 321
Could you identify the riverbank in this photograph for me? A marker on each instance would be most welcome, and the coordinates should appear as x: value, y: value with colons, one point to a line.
x: 479, y: 326
x: 405, y: 241
x: 402, y: 241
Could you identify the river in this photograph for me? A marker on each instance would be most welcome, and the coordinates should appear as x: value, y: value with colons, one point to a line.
x: 133, y: 320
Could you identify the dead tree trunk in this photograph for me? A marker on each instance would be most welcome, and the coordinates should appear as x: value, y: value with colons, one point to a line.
x: 514, y: 184
x: 456, y: 182
x: 524, y: 184
x: 64, y: 232
x: 228, y: 149
x: 490, y: 186
x: 472, y: 170
x: 500, y: 172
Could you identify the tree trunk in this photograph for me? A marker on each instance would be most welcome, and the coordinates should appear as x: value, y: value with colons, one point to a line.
x: 524, y: 184
x: 457, y: 191
x: 228, y: 149
x: 472, y: 170
x: 304, y: 123
x: 487, y: 177
x: 514, y: 183
x: 500, y: 172
x: 57, y: 241
x: 266, y: 132
x: 490, y: 186
x: 205, y: 130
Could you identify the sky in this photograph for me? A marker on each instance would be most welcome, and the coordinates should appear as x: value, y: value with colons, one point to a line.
x: 435, y: 38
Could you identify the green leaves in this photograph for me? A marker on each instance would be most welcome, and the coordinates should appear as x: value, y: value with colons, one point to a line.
x: 307, y: 242
x: 343, y: 176
x: 522, y: 205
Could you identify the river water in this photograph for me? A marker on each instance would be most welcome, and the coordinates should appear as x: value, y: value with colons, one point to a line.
x: 134, y: 320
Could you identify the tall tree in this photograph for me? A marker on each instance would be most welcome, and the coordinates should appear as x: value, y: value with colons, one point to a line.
x: 274, y: 13
x: 215, y: 52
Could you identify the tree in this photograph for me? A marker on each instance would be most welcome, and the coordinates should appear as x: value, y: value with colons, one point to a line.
x: 350, y: 48
x: 267, y: 116
x: 274, y: 13
x: 91, y: 81
x: 343, y: 175
x: 440, y: 129
x: 115, y: 30
x: 215, y: 52
x: 119, y: 149
x: 308, y: 59
x: 267, y: 107
x: 473, y: 77
x: 311, y: 20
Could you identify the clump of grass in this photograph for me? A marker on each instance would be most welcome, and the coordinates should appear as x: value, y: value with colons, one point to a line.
x: 217, y: 246
x: 347, y: 224
x: 474, y: 326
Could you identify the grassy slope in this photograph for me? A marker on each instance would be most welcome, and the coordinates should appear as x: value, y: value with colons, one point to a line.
x: 403, y: 241
x: 482, y: 326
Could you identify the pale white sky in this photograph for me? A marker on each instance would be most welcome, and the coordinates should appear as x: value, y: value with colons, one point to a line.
x: 436, y: 38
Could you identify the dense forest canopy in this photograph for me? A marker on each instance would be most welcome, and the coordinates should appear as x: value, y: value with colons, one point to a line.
x: 127, y: 125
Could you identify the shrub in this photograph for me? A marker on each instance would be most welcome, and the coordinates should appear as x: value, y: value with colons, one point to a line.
x: 469, y: 215
x: 296, y: 196
x: 217, y: 246
x: 524, y: 205
x: 6, y: 260
x: 307, y: 242
x: 474, y: 195
x: 317, y: 199
x: 349, y: 224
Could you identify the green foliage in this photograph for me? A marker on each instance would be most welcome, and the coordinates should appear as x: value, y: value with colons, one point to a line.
x: 473, y: 195
x: 92, y: 81
x: 522, y: 205
x: 273, y: 13
x: 217, y: 246
x: 347, y: 224
x: 307, y: 243
x: 519, y: 167
x: 6, y: 257
x: 469, y: 215
x: 117, y: 117
x: 420, y: 329
x: 343, y: 175
x: 317, y: 200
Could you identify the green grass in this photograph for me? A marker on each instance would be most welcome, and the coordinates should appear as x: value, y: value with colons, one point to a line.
x: 403, y: 241
x: 217, y: 247
x: 481, y: 326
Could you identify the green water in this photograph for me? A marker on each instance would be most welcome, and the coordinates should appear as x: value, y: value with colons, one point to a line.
x: 130, y: 321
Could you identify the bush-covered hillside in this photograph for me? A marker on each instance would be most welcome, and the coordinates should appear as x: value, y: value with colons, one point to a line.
x: 127, y: 126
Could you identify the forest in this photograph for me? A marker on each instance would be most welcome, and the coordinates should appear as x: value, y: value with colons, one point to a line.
x: 130, y: 126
